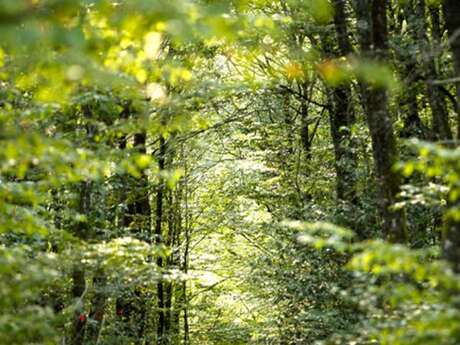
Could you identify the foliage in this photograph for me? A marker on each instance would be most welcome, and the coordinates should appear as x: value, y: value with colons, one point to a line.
x: 229, y: 172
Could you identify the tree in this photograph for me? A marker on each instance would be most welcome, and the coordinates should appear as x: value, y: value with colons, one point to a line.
x: 380, y: 124
x: 451, y: 12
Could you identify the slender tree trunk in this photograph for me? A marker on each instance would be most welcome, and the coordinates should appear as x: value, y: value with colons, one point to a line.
x: 159, y: 240
x: 186, y: 253
x: 176, y: 263
x: 122, y: 303
x: 169, y: 286
x: 132, y: 307
x: 413, y: 125
x: 452, y: 18
x: 288, y: 121
x: 142, y: 210
x: 97, y: 311
x: 79, y: 317
x: 78, y: 274
x: 440, y: 126
x: 305, y: 126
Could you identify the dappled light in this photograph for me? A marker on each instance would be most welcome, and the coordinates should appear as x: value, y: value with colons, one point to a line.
x: 229, y: 172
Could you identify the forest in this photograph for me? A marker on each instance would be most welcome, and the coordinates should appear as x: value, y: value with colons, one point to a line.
x: 229, y: 172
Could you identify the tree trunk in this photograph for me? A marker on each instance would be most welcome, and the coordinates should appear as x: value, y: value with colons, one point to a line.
x: 451, y: 245
x: 169, y: 286
x: 186, y: 253
x: 362, y: 10
x: 381, y: 126
x: 143, y: 232
x: 176, y: 263
x: 78, y: 274
x: 342, y: 116
x: 452, y: 234
x: 440, y: 126
x: 305, y: 128
x: 132, y: 308
x: 159, y: 240
x: 98, y: 303
x: 452, y: 18
x: 409, y: 106
x: 288, y: 122
x: 340, y: 25
x: 79, y: 317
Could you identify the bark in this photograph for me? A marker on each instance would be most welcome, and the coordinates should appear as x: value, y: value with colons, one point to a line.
x: 380, y: 123
x: 451, y: 243
x: 452, y: 234
x: 186, y: 322
x: 97, y: 311
x: 168, y: 293
x: 169, y: 286
x: 440, y: 126
x: 452, y: 18
x: 159, y: 240
x: 340, y: 25
x: 142, y: 212
x: 187, y: 236
x: 139, y: 211
x: 172, y: 218
x: 289, y: 122
x: 305, y: 127
x: 78, y: 274
x: 176, y: 263
x: 345, y: 159
x: 123, y: 304
x: 342, y: 116
x: 79, y: 318
x: 364, y: 22
x: 364, y: 37
x: 413, y: 125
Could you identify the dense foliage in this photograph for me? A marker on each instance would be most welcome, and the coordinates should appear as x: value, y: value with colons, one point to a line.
x: 229, y: 172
